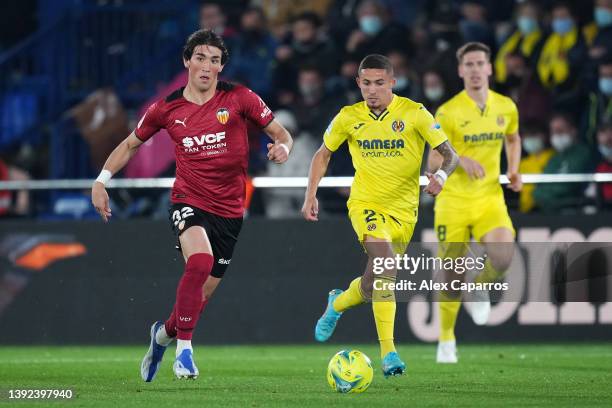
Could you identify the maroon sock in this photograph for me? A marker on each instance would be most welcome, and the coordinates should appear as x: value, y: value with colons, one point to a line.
x: 189, y: 294
x: 171, y: 322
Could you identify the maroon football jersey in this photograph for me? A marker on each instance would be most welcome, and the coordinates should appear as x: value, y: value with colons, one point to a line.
x: 211, y: 145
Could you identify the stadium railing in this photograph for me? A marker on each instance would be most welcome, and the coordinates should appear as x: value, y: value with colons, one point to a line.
x: 276, y: 182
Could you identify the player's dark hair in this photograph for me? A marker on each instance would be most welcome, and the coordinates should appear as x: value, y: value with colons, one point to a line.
x: 376, y: 61
x: 473, y: 46
x: 205, y: 37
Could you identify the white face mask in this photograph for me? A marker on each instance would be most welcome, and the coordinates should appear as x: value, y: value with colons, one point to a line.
x: 561, y: 141
x: 532, y: 144
x: 434, y: 94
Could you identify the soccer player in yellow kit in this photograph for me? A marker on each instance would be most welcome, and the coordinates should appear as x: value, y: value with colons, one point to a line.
x: 386, y: 135
x: 478, y: 122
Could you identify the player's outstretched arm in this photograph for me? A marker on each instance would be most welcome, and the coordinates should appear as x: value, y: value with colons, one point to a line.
x: 115, y: 162
x: 318, y: 167
x: 448, y: 164
x: 513, y: 154
x: 278, y: 152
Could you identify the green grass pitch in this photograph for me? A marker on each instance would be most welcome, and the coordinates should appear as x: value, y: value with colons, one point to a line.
x: 286, y: 376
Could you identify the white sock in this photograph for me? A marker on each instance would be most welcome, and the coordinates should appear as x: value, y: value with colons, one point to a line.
x: 182, y: 345
x: 162, y: 338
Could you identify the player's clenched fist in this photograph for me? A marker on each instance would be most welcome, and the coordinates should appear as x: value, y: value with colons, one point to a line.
x: 310, y: 209
x: 278, y: 152
x: 516, y: 183
x: 99, y: 199
x: 435, y: 184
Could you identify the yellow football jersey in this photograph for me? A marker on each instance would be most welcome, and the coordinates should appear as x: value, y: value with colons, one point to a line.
x: 386, y: 151
x: 480, y: 136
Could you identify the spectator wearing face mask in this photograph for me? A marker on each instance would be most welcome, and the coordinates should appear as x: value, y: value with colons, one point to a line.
x: 536, y: 154
x: 314, y: 107
x: 604, y: 145
x: 598, y: 33
x: 571, y: 156
x: 376, y: 33
x: 562, y: 59
x: 435, y: 90
x: 406, y: 80
x: 527, y: 40
x: 599, y: 105
x: 306, y: 45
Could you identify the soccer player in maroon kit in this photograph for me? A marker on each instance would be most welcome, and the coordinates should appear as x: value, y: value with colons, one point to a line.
x: 207, y: 120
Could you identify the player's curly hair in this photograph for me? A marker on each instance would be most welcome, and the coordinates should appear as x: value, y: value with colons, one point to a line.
x: 205, y: 37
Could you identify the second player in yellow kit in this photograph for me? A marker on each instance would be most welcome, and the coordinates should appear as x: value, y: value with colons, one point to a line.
x: 479, y: 123
x: 471, y: 207
x: 386, y: 135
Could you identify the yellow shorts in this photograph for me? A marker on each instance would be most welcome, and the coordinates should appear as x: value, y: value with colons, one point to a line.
x: 381, y: 225
x: 460, y: 223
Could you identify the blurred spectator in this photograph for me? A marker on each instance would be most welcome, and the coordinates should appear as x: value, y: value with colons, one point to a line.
x: 376, y: 33
x: 213, y: 18
x: 252, y: 57
x: 474, y: 25
x: 345, y: 84
x: 279, y: 13
x: 598, y: 33
x: 314, y: 108
x: 537, y: 154
x: 604, y: 144
x: 305, y: 46
x: 523, y: 86
x: 527, y: 39
x: 13, y: 203
x: 562, y: 58
x: 435, y: 91
x: 406, y: 80
x: 599, y: 103
x: 287, y: 202
x: 571, y: 156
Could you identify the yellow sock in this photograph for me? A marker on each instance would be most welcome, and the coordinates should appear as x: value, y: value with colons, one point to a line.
x: 383, y: 306
x: 489, y: 273
x: 449, y: 309
x: 384, y: 316
x: 350, y: 297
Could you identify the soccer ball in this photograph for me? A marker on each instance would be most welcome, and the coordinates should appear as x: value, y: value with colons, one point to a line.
x: 349, y: 371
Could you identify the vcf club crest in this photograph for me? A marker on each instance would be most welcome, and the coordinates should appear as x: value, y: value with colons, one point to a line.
x: 398, y: 126
x: 223, y: 115
x: 500, y: 120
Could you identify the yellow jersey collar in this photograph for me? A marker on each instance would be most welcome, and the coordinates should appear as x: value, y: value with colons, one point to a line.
x: 385, y: 112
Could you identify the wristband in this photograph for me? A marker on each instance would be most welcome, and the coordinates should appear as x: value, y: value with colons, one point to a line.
x: 104, y: 176
x: 284, y: 146
x: 442, y: 175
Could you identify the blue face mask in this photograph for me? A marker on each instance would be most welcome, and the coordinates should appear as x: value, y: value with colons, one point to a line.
x: 527, y: 25
x: 603, y: 17
x: 562, y: 25
x: 370, y: 25
x: 605, y: 85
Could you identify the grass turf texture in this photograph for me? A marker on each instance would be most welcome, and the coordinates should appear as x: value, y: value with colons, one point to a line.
x: 282, y: 376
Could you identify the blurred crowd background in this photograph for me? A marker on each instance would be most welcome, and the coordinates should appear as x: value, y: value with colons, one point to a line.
x: 75, y: 76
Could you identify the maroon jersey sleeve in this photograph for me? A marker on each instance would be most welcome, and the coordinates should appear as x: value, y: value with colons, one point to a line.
x: 150, y: 122
x: 254, y: 108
